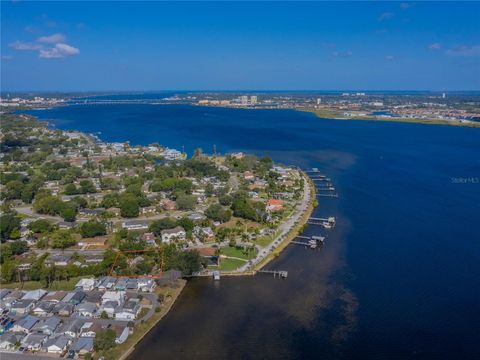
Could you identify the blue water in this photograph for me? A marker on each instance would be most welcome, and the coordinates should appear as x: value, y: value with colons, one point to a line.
x: 399, y: 278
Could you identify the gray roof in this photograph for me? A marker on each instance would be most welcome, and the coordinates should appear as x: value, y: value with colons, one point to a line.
x: 12, y: 338
x: 48, y: 325
x: 3, y: 293
x: 34, y: 339
x: 61, y: 341
x: 71, y: 326
x: 22, y: 304
x: 83, y: 343
x: 27, y: 322
x: 86, y: 306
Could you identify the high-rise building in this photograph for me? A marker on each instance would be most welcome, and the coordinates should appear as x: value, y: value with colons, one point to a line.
x: 444, y: 96
x: 253, y: 99
x: 244, y: 99
x: 319, y: 101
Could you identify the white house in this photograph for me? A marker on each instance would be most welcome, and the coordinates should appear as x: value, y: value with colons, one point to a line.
x: 171, y: 234
x: 116, y: 296
x: 57, y: 345
x: 86, y: 284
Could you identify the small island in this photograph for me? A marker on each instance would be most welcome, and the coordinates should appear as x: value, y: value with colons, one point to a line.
x: 97, y: 237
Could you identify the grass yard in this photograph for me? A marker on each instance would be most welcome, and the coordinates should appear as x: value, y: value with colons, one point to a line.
x: 230, y: 264
x: 66, y: 285
x: 239, y: 253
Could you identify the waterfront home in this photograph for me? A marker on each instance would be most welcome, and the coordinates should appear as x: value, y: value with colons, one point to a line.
x: 25, y: 324
x: 85, y: 284
x: 146, y: 284
x: 204, y: 233
x: 129, y: 311
x: 34, y: 342
x: 82, y: 345
x: 135, y: 225
x: 34, y: 295
x: 274, y: 205
x: 210, y: 256
x: 109, y: 308
x: 43, y: 308
x: 170, y: 234
x: 57, y: 344
x: 122, y: 333
x: 9, y: 341
x: 22, y: 306
x: 46, y: 326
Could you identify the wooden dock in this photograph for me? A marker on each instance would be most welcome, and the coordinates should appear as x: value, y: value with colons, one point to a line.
x: 282, y: 274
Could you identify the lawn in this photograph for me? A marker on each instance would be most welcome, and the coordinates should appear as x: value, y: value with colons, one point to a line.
x: 230, y: 264
x: 239, y: 253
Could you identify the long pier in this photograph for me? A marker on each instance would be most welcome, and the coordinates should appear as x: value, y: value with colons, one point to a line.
x: 281, y: 273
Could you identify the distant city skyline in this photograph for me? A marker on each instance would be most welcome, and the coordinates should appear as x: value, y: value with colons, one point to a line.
x: 149, y: 46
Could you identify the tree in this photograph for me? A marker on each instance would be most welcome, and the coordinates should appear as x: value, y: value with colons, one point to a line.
x: 104, y: 340
x: 92, y: 228
x: 129, y: 206
x: 40, y: 226
x: 186, y: 202
x: 61, y: 239
x: 68, y: 211
x: 71, y: 189
x: 162, y: 224
x: 86, y: 186
x: 216, y: 212
x: 9, y: 223
x: 19, y: 247
x: 225, y: 200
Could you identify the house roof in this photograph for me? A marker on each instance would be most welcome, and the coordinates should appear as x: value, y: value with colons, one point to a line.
x: 175, y: 230
x: 34, y: 294
x: 60, y: 341
x: 22, y: 304
x: 83, y: 343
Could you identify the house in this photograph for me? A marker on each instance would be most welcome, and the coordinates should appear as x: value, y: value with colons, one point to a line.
x: 168, y: 204
x: 34, y: 342
x: 115, y: 296
x: 11, y: 297
x: 97, y: 241
x: 43, y: 308
x: 204, y: 233
x: 25, y: 324
x: 93, y: 259
x: 57, y: 344
x: 210, y: 255
x: 83, y: 345
x: 86, y: 330
x: 63, y: 309
x: 248, y: 175
x: 106, y: 283
x: 4, y: 292
x: 129, y: 311
x: 110, y: 308
x: 76, y: 297
x: 86, y: 309
x: 135, y: 225
x: 66, y: 225
x: 58, y: 260
x: 121, y: 284
x: 148, y: 210
x: 54, y: 296
x: 34, y: 295
x: 149, y: 238
x: 47, y: 326
x: 146, y: 284
x: 22, y: 306
x: 274, y: 205
x: 170, y: 234
x: 71, y: 328
x: 195, y: 216
x: 86, y: 284
x: 9, y: 341
x: 122, y: 333
x: 94, y: 296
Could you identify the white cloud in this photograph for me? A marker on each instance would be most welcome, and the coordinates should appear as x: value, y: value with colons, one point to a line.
x: 390, y: 57
x: 386, y: 16
x: 435, y: 46
x: 59, y: 51
x: 19, y: 45
x: 53, y: 39
x: 464, y: 50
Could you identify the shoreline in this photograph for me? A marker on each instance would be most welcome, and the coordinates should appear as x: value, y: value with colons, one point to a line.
x: 373, y: 118
x: 138, y: 335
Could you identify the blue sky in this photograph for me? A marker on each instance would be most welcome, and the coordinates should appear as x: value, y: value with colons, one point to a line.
x: 65, y: 45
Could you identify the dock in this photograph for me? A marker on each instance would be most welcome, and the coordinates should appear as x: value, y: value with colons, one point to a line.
x: 282, y: 274
x: 327, y: 223
x: 216, y: 275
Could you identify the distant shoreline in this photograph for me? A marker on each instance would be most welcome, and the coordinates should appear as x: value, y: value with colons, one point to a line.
x: 326, y: 115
